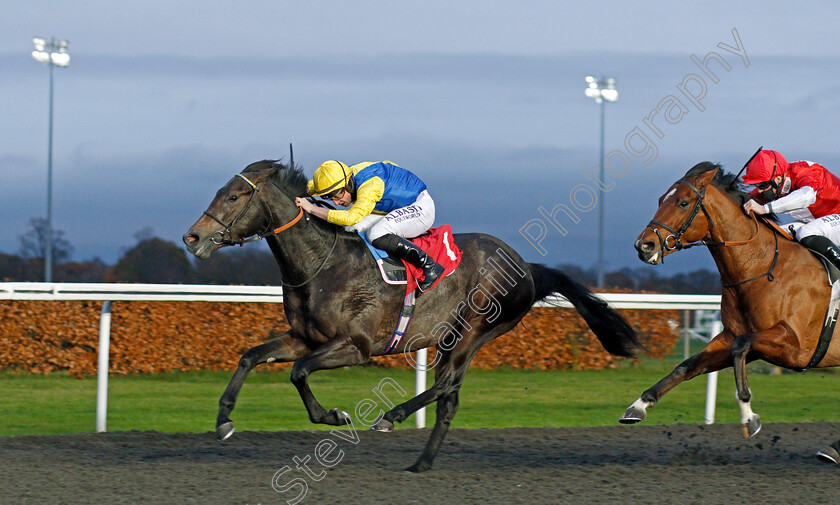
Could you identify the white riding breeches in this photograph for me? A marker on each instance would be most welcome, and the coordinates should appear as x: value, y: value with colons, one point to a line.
x: 826, y: 226
x: 408, y: 222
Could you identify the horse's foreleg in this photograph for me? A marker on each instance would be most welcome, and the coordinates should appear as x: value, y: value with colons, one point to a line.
x: 282, y: 349
x: 338, y: 352
x: 750, y: 422
x: 715, y: 356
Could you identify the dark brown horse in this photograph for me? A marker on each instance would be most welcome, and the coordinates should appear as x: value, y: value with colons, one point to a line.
x: 775, y: 292
x: 341, y: 313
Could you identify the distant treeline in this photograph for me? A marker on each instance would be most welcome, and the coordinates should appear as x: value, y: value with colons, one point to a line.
x: 153, y: 260
x: 646, y: 278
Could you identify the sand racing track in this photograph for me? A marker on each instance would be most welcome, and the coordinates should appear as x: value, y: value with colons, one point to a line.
x: 683, y: 464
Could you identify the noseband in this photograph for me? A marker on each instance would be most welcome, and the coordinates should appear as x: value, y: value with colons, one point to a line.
x: 228, y: 226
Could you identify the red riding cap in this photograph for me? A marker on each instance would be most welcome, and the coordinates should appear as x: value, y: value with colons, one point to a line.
x: 764, y: 166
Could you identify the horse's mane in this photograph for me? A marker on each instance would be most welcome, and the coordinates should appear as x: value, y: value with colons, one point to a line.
x: 285, y: 176
x: 727, y: 182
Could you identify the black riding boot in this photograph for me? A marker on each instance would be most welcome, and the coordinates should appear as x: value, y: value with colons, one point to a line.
x: 823, y: 246
x: 404, y: 249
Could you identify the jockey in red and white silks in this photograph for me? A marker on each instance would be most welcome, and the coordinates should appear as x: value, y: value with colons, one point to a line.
x: 804, y: 190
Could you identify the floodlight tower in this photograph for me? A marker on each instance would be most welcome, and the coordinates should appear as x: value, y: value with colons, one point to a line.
x: 53, y: 53
x: 602, y: 90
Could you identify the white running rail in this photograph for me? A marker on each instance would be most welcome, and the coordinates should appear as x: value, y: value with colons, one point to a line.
x: 108, y: 293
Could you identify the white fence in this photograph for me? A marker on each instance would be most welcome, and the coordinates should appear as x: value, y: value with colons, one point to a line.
x: 108, y: 293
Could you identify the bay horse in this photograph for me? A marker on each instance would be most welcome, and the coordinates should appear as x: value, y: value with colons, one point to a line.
x: 341, y: 313
x: 774, y: 291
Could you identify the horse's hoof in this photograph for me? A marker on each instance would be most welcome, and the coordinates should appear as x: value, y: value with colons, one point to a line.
x: 634, y: 414
x: 419, y: 467
x: 340, y: 416
x: 828, y: 454
x: 224, y: 431
x: 383, y: 426
x: 751, y: 428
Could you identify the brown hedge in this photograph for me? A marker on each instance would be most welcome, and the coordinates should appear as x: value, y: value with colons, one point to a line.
x: 149, y: 337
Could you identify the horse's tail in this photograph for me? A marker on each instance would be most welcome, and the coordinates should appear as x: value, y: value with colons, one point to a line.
x: 612, y: 330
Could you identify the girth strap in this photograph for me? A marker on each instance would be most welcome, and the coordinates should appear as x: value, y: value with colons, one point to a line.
x: 827, y: 332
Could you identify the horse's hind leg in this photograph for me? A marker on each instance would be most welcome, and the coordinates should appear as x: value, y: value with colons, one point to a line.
x: 445, y: 383
x: 750, y: 422
x: 447, y: 406
x: 715, y: 356
x: 282, y: 349
x: 449, y: 376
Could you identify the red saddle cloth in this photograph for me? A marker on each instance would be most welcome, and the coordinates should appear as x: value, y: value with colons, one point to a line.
x: 438, y: 244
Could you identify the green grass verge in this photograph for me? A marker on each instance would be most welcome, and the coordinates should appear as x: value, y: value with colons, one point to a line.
x: 187, y: 402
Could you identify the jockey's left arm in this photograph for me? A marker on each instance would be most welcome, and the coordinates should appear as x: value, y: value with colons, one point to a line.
x: 367, y: 195
x: 309, y: 207
x: 797, y: 199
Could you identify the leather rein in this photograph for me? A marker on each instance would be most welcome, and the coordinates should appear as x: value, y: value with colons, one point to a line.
x: 676, y: 235
x: 268, y: 232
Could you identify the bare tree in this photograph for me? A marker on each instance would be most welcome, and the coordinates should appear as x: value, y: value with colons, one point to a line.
x: 33, y: 243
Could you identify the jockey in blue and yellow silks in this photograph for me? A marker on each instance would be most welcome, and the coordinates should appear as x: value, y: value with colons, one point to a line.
x: 387, y: 201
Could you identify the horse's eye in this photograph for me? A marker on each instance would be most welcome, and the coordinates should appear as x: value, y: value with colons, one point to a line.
x: 233, y: 198
x: 684, y: 203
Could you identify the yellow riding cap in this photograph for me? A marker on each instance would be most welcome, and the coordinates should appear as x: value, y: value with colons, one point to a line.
x: 330, y: 176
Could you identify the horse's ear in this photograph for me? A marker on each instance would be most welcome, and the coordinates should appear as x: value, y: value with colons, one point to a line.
x: 276, y: 166
x: 707, y: 176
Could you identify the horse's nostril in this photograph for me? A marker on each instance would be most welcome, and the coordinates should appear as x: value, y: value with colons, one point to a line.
x: 644, y: 246
x: 190, y: 238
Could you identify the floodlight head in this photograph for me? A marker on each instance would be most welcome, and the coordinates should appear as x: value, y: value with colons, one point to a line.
x: 52, y: 53
x: 602, y: 89
x: 593, y: 93
x: 41, y: 56
x: 60, y: 59
x: 610, y: 95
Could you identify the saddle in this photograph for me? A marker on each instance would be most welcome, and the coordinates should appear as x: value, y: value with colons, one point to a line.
x: 392, y: 269
x: 438, y: 244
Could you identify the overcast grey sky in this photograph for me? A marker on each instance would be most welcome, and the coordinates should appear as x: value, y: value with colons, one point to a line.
x: 165, y: 101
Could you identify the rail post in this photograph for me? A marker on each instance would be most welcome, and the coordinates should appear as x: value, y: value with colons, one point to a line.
x: 711, y: 382
x: 102, y: 367
x: 420, y: 385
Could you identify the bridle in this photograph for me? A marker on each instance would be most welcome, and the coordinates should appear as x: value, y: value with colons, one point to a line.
x: 228, y: 226
x: 676, y: 235
x: 268, y: 232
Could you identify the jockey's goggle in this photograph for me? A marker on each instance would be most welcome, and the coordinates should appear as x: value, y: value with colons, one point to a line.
x: 763, y: 186
x: 332, y: 195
